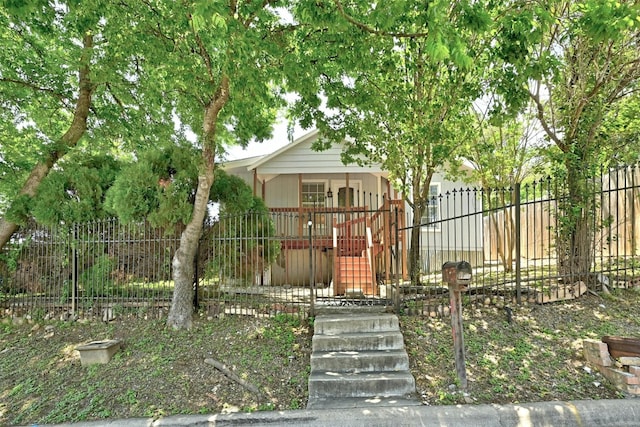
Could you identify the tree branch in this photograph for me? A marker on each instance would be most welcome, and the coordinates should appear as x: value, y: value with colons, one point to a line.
x: 540, y: 114
x: 372, y: 30
x: 35, y: 87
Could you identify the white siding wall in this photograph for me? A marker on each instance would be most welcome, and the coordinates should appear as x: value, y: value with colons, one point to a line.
x: 302, y: 159
x: 464, y: 234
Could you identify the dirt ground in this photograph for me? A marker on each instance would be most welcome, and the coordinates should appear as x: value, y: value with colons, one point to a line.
x: 537, y: 356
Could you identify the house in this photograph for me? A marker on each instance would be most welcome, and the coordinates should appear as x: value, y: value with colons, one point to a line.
x: 340, y: 225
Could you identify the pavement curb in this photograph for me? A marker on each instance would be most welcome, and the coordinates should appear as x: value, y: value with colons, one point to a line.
x: 584, y: 413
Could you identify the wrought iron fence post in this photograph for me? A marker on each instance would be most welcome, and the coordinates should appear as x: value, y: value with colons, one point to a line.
x: 398, y: 273
x: 74, y: 269
x: 311, y: 275
x: 196, y: 277
x: 518, y: 240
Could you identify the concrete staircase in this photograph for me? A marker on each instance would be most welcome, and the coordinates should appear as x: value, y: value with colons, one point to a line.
x: 358, y: 359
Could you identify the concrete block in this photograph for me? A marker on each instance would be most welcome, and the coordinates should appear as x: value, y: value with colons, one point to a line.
x: 329, y: 384
x: 629, y: 361
x: 360, y: 361
x: 98, y: 352
x: 634, y: 370
x: 338, y: 324
x: 619, y: 378
x: 392, y: 340
x: 597, y: 352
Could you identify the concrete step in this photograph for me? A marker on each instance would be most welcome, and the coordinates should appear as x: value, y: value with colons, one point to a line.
x: 323, y: 309
x: 363, y: 384
x: 363, y: 402
x: 355, y: 323
x: 360, y: 361
x: 388, y: 340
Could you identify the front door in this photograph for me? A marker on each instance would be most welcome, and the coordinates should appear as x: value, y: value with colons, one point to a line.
x: 344, y: 196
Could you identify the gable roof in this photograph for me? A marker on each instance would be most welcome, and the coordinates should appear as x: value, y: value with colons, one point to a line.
x: 299, y: 157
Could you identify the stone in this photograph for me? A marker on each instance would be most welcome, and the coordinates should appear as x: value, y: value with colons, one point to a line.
x: 620, y: 378
x: 630, y: 361
x: 107, y: 315
x: 560, y: 293
x: 98, y: 352
x: 597, y: 352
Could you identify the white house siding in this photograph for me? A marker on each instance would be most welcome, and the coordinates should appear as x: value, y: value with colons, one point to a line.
x: 282, y: 191
x: 454, y: 240
x: 302, y: 159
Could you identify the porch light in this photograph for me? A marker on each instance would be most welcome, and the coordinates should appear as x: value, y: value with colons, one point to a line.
x: 329, y: 194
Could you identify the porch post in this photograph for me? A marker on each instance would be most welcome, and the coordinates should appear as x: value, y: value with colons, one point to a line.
x: 300, y: 219
x: 312, y: 280
x: 255, y: 182
x: 405, y: 273
x: 386, y: 215
x: 347, y: 202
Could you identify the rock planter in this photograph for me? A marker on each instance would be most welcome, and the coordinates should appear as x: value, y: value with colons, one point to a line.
x: 98, y: 352
x: 622, y: 371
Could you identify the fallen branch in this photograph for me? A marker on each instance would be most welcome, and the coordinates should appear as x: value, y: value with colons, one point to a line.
x: 229, y: 374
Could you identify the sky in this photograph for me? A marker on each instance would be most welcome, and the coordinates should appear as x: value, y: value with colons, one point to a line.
x: 279, y: 139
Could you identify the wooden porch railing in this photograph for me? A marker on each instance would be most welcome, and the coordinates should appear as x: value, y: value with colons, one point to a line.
x: 356, y: 224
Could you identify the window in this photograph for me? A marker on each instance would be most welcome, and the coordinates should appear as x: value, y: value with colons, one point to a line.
x: 313, y: 194
x: 431, y: 214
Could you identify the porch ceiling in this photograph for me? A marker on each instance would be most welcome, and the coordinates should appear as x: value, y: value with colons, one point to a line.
x: 329, y: 174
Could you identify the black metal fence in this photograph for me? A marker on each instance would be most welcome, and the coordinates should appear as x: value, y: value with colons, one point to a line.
x: 510, y: 235
x: 257, y: 264
x: 285, y: 261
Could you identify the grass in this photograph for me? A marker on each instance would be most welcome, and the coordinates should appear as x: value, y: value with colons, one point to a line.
x: 157, y: 372
x: 537, y: 357
x: 160, y: 372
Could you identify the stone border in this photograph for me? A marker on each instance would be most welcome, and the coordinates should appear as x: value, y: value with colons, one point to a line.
x: 624, y: 372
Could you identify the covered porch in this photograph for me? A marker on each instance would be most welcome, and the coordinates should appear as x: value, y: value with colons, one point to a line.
x: 352, y: 249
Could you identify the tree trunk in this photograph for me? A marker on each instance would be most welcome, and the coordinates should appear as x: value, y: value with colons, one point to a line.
x: 415, y: 269
x: 509, y: 238
x: 180, y: 315
x: 575, y: 236
x: 181, y: 312
x: 68, y: 140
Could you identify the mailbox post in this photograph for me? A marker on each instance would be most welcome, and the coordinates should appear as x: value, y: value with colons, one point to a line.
x: 457, y: 275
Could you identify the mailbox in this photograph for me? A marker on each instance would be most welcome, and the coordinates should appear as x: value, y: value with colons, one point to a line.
x: 457, y: 273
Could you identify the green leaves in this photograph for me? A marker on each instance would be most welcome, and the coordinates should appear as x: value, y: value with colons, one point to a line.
x: 607, y: 20
x: 75, y: 191
x: 209, y: 16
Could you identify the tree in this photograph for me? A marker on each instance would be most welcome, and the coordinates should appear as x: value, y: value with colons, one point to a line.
x: 75, y: 190
x: 36, y: 88
x: 122, y: 73
x: 502, y: 151
x: 575, y: 61
x: 398, y: 78
x: 215, y: 65
x: 67, y: 78
x: 160, y: 187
